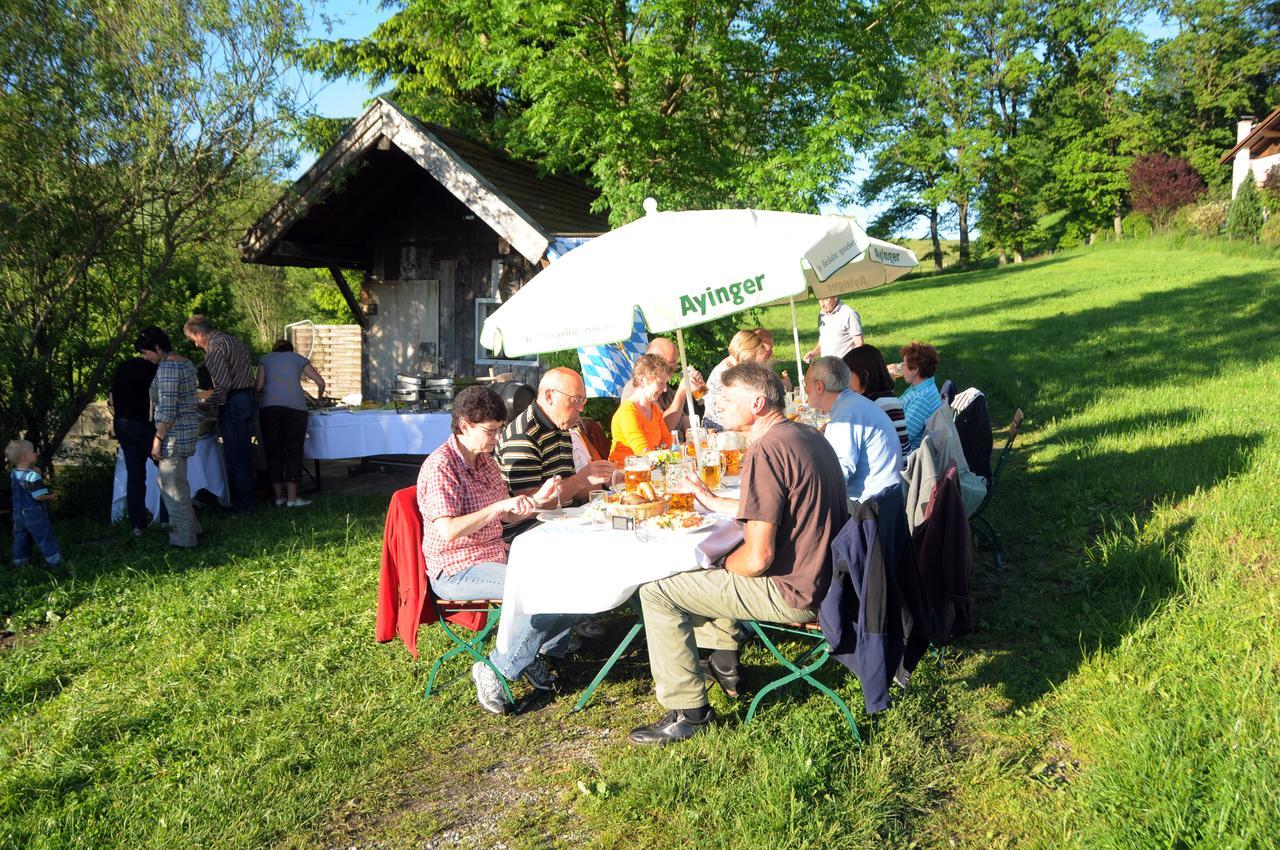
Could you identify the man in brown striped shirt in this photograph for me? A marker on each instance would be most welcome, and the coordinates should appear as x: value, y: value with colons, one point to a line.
x: 231, y: 371
x: 536, y: 445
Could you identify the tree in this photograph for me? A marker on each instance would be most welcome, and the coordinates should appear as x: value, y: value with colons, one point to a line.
x: 1245, y: 219
x: 132, y: 133
x: 906, y: 172
x: 700, y: 105
x: 1160, y: 185
x: 1223, y: 63
x: 1086, y: 111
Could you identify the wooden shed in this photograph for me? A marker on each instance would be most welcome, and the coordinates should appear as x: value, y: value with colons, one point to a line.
x: 425, y: 232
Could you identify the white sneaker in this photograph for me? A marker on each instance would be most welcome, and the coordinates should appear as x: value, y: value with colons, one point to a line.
x: 279, y: 503
x: 298, y: 503
x: 488, y: 689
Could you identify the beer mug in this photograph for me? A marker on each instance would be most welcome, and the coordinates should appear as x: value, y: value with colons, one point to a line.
x: 679, y: 490
x: 710, y: 469
x: 638, y: 470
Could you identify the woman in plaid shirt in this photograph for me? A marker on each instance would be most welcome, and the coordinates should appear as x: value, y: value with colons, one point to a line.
x: 464, y: 502
x: 173, y: 395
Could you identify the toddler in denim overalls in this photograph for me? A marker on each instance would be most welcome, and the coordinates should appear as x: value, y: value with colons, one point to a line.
x: 30, y: 519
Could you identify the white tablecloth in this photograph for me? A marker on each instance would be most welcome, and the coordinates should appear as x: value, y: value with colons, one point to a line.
x: 205, y: 471
x: 558, y: 569
x: 363, y: 433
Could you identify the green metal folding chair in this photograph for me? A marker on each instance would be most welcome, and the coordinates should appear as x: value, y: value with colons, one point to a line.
x: 980, y: 525
x: 473, y: 645
x: 623, y: 646
x: 801, y: 668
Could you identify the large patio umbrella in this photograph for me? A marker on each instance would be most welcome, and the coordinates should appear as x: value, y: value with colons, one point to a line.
x: 880, y: 263
x: 679, y: 269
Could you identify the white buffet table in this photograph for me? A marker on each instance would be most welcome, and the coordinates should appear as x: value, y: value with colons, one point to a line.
x: 338, y: 434
x: 585, y: 569
x: 205, y: 471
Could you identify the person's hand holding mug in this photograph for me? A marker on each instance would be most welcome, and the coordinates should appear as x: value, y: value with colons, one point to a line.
x: 895, y: 370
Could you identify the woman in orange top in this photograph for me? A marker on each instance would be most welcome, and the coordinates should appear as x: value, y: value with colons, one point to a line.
x: 638, y: 426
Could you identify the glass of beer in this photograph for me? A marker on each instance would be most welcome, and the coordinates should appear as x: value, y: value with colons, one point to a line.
x: 679, y: 490
x: 638, y: 470
x: 710, y: 469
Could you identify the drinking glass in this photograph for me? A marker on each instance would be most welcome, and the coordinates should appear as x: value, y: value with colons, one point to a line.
x: 679, y: 490
x: 638, y: 470
x: 710, y: 470
x: 617, y: 481
x: 595, y: 507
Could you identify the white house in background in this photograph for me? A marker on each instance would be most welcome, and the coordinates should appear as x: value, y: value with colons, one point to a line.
x: 1257, y: 149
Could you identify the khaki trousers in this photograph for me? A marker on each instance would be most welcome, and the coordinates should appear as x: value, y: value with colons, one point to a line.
x: 700, y: 608
x: 176, y: 493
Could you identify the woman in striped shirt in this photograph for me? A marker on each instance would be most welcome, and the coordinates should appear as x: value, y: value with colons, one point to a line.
x: 869, y: 375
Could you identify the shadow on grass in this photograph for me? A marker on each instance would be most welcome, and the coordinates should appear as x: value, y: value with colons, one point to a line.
x: 1083, y: 573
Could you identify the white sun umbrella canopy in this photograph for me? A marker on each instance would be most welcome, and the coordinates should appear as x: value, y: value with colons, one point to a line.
x: 678, y: 268
x: 882, y: 262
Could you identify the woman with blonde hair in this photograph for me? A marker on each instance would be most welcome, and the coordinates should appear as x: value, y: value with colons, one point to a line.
x: 745, y: 347
x: 639, y: 425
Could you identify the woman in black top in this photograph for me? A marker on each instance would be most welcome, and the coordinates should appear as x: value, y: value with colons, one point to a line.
x: 131, y: 411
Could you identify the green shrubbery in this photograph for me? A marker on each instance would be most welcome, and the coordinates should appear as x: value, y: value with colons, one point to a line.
x: 1137, y: 225
x: 1269, y: 235
x: 1245, y: 219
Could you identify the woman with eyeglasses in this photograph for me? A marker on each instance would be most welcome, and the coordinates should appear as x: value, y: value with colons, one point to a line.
x: 464, y: 503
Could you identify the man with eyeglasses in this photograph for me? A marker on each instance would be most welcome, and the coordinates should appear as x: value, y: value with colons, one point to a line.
x: 537, y: 446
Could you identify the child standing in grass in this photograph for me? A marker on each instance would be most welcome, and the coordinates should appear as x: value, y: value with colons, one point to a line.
x: 30, y: 519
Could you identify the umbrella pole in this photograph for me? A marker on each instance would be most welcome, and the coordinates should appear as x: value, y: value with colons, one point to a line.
x: 688, y: 396
x: 795, y: 338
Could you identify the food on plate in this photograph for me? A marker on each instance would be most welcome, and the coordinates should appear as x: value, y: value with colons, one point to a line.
x: 678, y: 520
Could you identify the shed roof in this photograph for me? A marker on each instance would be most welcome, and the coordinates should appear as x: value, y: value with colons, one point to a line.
x: 1263, y: 140
x: 524, y: 207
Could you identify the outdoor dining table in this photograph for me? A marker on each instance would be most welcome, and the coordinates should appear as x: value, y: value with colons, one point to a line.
x: 559, y: 568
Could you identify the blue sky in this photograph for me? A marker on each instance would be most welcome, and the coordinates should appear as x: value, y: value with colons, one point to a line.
x: 357, y: 18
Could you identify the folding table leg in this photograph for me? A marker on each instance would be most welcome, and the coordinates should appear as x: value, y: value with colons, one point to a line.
x: 608, y: 665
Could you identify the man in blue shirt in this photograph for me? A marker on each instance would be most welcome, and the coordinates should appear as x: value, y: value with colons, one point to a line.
x: 861, y: 433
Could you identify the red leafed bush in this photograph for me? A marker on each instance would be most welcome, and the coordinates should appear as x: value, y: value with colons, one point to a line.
x: 1159, y: 184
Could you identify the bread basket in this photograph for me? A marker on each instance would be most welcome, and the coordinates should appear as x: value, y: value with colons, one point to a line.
x: 644, y: 510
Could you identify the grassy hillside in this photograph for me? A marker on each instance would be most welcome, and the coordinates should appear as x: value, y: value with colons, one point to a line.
x: 1120, y: 691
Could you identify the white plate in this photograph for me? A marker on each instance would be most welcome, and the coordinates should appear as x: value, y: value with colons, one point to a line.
x: 565, y: 516
x: 707, y: 522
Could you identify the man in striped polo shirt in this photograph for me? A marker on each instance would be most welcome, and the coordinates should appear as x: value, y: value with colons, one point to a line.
x: 537, y: 445
x: 231, y: 371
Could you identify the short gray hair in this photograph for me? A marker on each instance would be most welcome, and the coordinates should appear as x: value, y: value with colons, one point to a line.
x: 758, y: 378
x: 832, y: 372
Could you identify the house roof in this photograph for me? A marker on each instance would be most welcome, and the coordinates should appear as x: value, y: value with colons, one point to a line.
x: 524, y: 207
x: 1263, y: 140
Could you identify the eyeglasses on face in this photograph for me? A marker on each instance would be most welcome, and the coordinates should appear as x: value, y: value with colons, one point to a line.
x: 575, y: 400
x: 488, y: 430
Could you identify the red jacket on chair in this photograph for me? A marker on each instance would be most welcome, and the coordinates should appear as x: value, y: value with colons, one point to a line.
x: 403, y: 585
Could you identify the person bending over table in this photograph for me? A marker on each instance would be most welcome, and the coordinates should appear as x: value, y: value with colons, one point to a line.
x: 920, y: 399
x: 639, y: 425
x: 537, y: 446
x: 869, y: 375
x: 464, y: 502
x: 861, y: 433
x: 793, y: 506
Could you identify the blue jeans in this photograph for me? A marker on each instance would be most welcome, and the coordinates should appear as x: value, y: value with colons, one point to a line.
x: 31, y: 525
x: 529, y: 633
x: 135, y: 444
x: 236, y: 418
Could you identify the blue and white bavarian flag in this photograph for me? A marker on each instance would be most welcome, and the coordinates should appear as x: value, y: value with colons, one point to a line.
x: 606, y: 368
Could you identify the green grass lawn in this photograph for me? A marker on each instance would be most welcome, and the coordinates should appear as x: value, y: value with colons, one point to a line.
x: 1121, y: 690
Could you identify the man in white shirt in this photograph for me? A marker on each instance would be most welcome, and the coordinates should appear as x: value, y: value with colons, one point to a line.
x: 839, y: 330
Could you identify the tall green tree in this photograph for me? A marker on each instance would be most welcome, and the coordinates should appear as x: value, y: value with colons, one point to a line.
x: 1087, y: 111
x: 131, y: 132
x: 1223, y: 62
x: 697, y: 104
